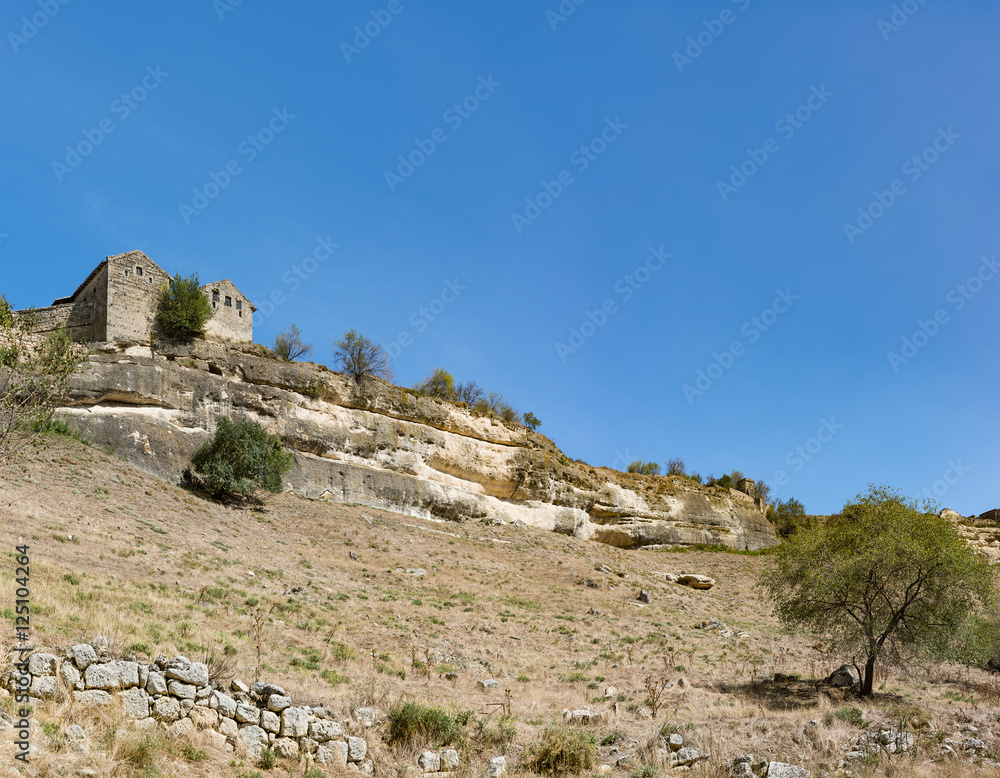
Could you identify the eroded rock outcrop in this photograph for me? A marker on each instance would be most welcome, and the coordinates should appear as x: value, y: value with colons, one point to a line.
x: 386, y: 447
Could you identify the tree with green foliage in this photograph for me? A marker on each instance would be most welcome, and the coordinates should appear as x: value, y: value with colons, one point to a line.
x: 884, y: 578
x: 362, y: 359
x: 241, y: 459
x: 643, y: 468
x: 289, y: 346
x: 34, y: 379
x: 787, y: 516
x: 183, y: 309
x: 440, y: 383
x: 531, y: 421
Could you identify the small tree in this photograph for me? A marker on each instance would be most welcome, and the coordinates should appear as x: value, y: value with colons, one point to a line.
x: 288, y: 344
x: 34, y: 379
x: 468, y: 393
x: 882, y: 578
x: 183, y: 309
x: 675, y: 466
x: 439, y: 383
x: 762, y: 490
x: 644, y: 468
x: 787, y: 516
x: 241, y: 459
x: 531, y: 421
x: 360, y: 358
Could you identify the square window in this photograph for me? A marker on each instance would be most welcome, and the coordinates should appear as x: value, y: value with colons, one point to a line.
x: 229, y: 301
x: 138, y: 270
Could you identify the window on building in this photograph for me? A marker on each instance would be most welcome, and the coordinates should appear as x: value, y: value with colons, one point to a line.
x: 240, y: 313
x: 239, y: 304
x: 126, y: 272
x: 138, y: 270
x: 229, y: 301
x: 215, y: 295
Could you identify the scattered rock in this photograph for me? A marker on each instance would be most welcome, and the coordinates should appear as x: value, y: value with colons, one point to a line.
x: 845, y: 676
x: 488, y: 683
x: 784, y: 770
x: 643, y: 596
x: 696, y: 581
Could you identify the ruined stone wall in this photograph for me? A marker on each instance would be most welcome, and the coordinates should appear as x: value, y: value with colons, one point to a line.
x: 233, y: 317
x: 77, y: 318
x: 177, y: 696
x: 133, y: 288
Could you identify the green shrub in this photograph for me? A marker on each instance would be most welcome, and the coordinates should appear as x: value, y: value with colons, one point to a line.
x: 496, y: 734
x: 242, y: 458
x: 439, y: 383
x: 644, y: 468
x: 561, y: 750
x: 183, y: 309
x: 851, y: 715
x: 268, y: 759
x: 288, y: 344
x: 415, y: 724
x: 531, y: 421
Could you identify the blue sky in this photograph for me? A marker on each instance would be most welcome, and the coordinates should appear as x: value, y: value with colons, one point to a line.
x: 668, y: 229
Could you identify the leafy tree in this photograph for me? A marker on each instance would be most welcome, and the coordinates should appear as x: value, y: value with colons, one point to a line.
x: 288, y: 344
x: 183, y: 309
x: 360, y: 358
x: 241, y: 459
x: 34, y: 379
x: 762, y: 490
x: 644, y: 468
x: 468, y: 393
x: 440, y: 383
x: 881, y: 579
x: 531, y: 421
x: 787, y: 516
x: 675, y: 466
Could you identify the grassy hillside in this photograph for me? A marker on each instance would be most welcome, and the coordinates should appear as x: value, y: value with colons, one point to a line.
x: 555, y: 620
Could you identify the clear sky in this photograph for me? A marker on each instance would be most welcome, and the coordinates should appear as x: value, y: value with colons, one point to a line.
x: 753, y: 235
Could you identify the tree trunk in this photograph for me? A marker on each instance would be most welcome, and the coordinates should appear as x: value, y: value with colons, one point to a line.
x: 866, y: 682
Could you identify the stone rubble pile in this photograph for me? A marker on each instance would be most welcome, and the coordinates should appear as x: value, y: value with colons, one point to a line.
x: 175, y: 695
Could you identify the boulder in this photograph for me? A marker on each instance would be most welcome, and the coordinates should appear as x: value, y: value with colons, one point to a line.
x: 496, y: 767
x: 166, y: 709
x: 357, y: 749
x: 688, y: 755
x: 784, y: 770
x: 156, y: 682
x: 247, y: 713
x: 180, y: 690
x: 489, y: 683
x: 112, y: 676
x: 695, y: 581
x: 42, y: 664
x: 135, y: 704
x: 429, y: 761
x: 294, y: 722
x: 845, y: 677
x: 94, y: 697
x: 180, y: 668
x: 46, y: 687
x: 366, y: 717
x: 449, y: 759
x: 321, y: 731
x: 225, y: 704
x: 278, y: 702
x: 270, y: 721
x: 84, y: 655
x: 286, y: 748
x: 70, y: 676
x: 643, y: 596
x: 204, y: 718
x: 333, y: 754
x: 253, y: 740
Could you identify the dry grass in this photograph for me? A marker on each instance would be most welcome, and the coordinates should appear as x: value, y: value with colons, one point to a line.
x: 158, y: 570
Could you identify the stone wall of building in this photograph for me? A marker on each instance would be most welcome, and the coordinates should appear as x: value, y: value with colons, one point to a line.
x: 133, y: 288
x: 233, y: 318
x: 77, y: 318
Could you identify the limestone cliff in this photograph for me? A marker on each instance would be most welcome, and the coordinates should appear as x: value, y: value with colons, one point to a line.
x: 386, y: 447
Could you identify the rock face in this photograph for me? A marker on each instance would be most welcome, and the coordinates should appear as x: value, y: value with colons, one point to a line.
x: 386, y: 447
x: 982, y: 532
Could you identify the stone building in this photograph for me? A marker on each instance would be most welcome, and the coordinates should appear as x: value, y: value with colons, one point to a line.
x: 117, y: 302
